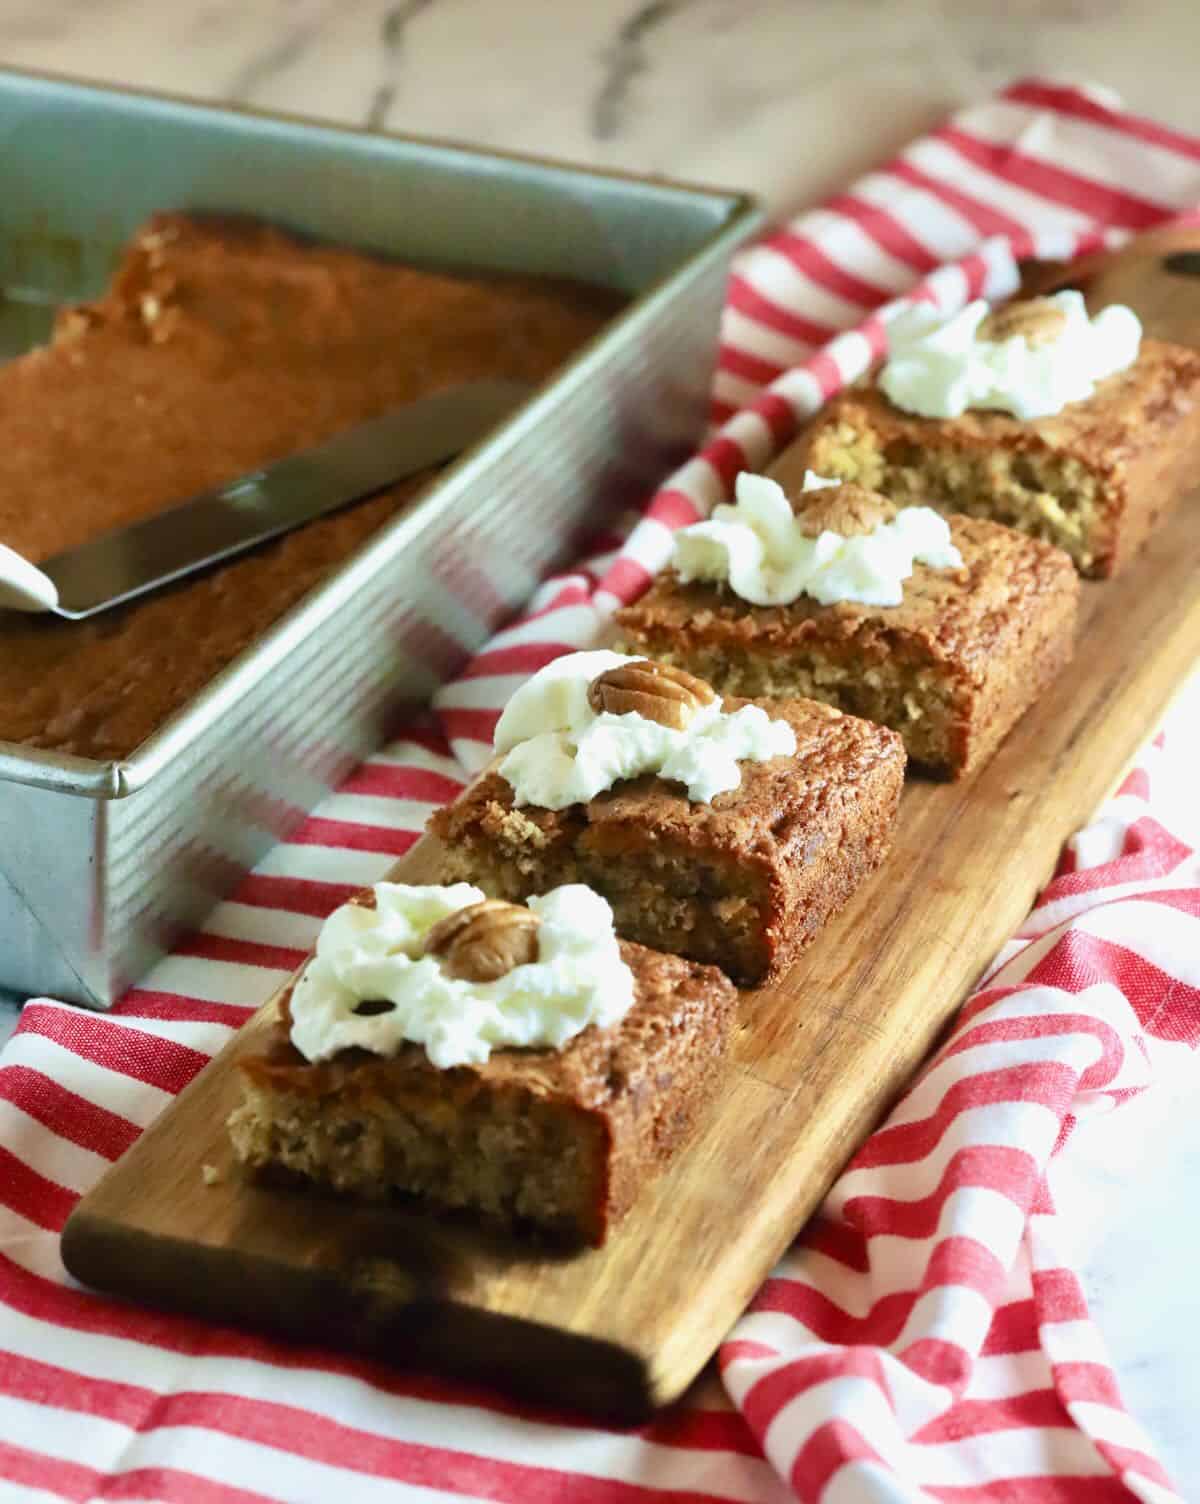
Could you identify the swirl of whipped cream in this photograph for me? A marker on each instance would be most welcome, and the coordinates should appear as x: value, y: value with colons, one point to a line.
x: 375, y: 955
x: 938, y: 367
x: 559, y: 751
x: 758, y: 547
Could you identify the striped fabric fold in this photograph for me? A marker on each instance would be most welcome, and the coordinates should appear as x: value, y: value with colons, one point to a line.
x: 926, y: 1338
x: 925, y: 1329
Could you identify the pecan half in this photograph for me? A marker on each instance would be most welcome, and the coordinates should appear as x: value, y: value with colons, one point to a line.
x: 661, y: 693
x: 848, y: 509
x: 485, y: 940
x: 1037, y: 320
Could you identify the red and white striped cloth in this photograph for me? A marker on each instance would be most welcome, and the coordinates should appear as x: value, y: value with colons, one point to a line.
x: 923, y: 1340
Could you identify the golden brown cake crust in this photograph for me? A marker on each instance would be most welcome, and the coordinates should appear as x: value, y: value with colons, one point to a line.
x: 1135, y: 441
x: 593, y: 1070
x: 222, y: 345
x: 778, y: 855
x: 759, y: 820
x: 984, y: 636
x: 622, y: 1098
x: 958, y: 616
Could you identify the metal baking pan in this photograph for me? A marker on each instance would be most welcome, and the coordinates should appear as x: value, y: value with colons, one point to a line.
x: 102, y: 863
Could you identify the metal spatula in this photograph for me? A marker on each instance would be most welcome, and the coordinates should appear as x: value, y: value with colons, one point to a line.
x: 212, y: 526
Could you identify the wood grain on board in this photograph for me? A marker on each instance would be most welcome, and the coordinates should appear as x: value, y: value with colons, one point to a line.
x: 817, y: 1059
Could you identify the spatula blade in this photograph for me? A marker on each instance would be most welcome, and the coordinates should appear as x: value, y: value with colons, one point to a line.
x: 121, y: 565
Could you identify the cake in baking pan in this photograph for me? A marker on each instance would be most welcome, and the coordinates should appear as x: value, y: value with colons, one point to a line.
x: 221, y: 346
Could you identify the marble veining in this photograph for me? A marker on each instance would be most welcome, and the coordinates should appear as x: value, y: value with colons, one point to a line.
x: 788, y: 97
x: 625, y: 58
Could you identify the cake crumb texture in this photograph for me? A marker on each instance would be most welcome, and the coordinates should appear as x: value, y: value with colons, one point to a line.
x: 950, y: 669
x: 743, y: 883
x: 558, y: 1142
x: 1093, y: 479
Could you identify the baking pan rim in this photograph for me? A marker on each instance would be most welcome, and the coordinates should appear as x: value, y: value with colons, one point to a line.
x: 736, y: 213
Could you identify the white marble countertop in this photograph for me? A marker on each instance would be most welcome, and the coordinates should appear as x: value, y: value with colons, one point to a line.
x: 701, y: 89
x: 785, y: 97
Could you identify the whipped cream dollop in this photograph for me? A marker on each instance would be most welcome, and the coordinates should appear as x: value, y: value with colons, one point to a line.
x: 940, y: 367
x: 759, y: 549
x: 375, y: 955
x: 557, y: 750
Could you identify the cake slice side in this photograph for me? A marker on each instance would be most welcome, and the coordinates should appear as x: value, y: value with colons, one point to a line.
x: 556, y: 1141
x: 950, y: 669
x: 743, y: 883
x: 684, y: 897
x: 1093, y: 479
x: 865, y: 669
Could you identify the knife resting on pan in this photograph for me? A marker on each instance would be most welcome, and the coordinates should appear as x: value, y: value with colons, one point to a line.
x: 156, y: 550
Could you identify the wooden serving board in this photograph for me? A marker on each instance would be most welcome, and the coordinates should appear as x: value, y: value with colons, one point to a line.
x: 817, y: 1059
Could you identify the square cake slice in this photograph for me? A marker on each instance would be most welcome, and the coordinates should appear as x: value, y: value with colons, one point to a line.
x: 552, y: 1140
x: 743, y: 881
x: 1093, y: 479
x: 951, y: 667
